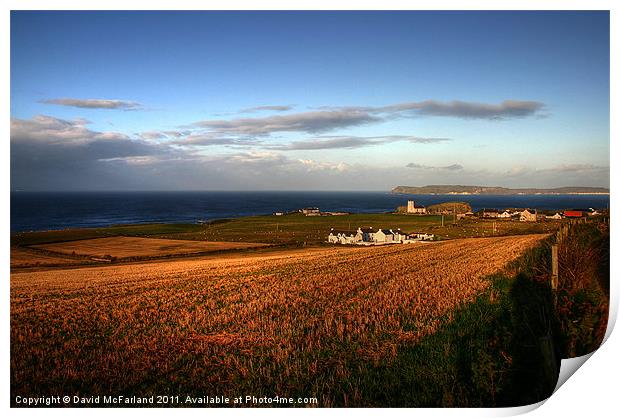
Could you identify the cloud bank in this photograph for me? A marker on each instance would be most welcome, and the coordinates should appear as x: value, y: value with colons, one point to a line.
x: 62, y: 154
x: 307, y: 122
x: 351, y: 142
x: 94, y: 103
x: 451, y: 167
x: 275, y: 108
x: 508, y: 109
x: 54, y: 154
x: 334, y: 118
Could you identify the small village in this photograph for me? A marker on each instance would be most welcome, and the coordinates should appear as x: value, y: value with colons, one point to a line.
x: 383, y: 236
x: 522, y: 215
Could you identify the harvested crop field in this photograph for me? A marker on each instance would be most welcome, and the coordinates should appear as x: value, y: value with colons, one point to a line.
x: 26, y: 257
x: 299, y: 323
x: 126, y: 247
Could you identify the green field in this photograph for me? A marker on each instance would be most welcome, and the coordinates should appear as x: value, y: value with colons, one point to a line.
x: 143, y: 230
x: 295, y: 229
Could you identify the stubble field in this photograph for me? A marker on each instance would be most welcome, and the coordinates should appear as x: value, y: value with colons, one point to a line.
x: 289, y: 323
x: 125, y: 247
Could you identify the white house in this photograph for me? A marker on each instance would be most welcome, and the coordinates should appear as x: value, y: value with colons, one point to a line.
x: 556, y: 216
x: 341, y: 237
x: 390, y: 237
x: 527, y: 216
x: 381, y: 237
x: 398, y: 235
x: 366, y: 234
x: 505, y: 214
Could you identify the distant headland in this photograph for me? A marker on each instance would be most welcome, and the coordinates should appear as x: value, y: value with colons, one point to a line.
x: 495, y: 190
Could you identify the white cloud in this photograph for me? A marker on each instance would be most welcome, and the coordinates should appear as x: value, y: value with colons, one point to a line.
x: 50, y: 129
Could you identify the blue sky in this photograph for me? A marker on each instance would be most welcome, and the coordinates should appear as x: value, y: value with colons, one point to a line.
x: 308, y: 100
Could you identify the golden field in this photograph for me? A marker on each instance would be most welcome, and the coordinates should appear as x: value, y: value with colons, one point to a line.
x: 290, y: 322
x: 125, y: 247
x: 27, y: 257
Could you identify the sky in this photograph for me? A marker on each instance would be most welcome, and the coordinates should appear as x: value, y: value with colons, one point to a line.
x: 308, y: 100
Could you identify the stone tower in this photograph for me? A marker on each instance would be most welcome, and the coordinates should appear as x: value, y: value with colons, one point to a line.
x: 410, y: 206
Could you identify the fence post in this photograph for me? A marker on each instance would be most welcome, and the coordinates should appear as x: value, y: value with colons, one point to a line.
x: 554, y: 267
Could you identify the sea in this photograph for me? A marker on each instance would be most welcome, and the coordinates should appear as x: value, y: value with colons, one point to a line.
x: 39, y: 211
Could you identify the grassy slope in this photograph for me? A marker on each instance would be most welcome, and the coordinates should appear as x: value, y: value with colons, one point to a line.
x: 459, y: 207
x: 583, y: 290
x: 43, y: 237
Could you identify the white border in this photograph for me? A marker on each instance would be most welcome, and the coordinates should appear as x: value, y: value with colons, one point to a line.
x: 591, y: 392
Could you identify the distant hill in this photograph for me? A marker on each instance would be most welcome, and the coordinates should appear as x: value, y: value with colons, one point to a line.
x: 496, y: 190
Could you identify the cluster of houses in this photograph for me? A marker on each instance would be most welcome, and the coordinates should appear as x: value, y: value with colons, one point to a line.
x: 380, y: 236
x: 523, y: 215
x: 311, y: 211
x: 528, y: 215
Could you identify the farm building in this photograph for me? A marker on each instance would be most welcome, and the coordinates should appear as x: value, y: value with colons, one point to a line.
x: 577, y: 213
x: 490, y: 213
x: 527, y: 216
x: 505, y: 215
x: 310, y: 211
x: 412, y: 208
x: 421, y: 236
x: 342, y: 237
x: 465, y: 215
x: 334, y: 213
x: 555, y: 216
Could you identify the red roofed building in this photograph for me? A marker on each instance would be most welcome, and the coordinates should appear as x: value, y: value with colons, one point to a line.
x: 574, y: 214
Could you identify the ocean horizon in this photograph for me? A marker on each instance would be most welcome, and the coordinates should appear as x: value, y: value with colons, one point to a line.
x: 39, y: 211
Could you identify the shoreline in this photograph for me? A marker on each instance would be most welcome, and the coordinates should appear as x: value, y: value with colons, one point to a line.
x: 104, y: 217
